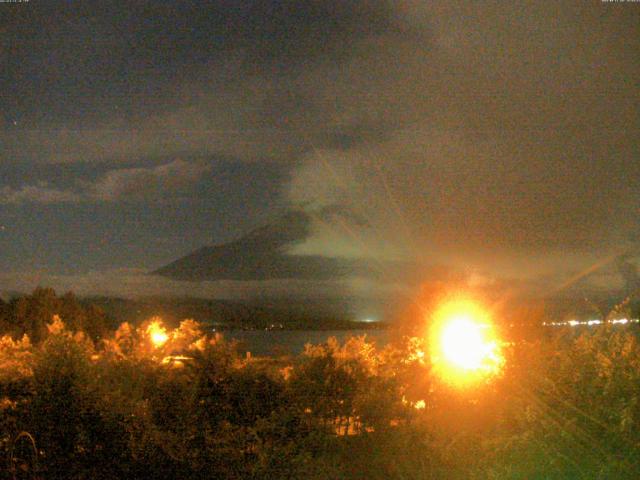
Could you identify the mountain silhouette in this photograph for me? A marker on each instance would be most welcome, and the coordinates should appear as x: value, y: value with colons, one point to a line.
x: 261, y: 254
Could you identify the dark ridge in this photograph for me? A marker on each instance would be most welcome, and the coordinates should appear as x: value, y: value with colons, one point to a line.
x: 261, y: 255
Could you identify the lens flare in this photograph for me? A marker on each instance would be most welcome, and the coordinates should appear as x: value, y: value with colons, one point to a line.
x: 464, y: 346
x: 157, y: 334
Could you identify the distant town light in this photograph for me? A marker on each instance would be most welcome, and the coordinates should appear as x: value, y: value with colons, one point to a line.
x: 367, y: 320
x: 592, y: 322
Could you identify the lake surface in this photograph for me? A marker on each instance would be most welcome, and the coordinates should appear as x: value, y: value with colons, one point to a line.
x: 275, y: 342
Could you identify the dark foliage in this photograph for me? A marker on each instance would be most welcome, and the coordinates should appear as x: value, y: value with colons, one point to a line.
x: 566, y: 406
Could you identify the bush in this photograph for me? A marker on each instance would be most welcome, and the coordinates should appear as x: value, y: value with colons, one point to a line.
x: 186, y: 406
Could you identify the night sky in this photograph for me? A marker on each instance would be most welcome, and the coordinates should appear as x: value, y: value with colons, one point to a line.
x: 498, y: 139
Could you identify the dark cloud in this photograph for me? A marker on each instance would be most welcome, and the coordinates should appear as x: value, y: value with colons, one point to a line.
x: 495, y: 138
x: 102, y: 83
x: 143, y: 49
x: 513, y: 144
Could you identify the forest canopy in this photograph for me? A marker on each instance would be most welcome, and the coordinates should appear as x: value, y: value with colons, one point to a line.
x: 151, y: 401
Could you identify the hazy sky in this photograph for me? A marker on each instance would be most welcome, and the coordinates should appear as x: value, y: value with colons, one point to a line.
x: 500, y: 138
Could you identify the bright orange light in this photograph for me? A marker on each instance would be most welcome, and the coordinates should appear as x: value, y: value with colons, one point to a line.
x: 157, y: 333
x: 464, y: 347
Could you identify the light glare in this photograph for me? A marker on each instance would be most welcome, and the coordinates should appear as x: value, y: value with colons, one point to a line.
x: 157, y: 334
x: 463, y: 344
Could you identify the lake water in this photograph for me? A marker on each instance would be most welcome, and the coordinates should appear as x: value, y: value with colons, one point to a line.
x: 276, y: 342
x: 273, y: 342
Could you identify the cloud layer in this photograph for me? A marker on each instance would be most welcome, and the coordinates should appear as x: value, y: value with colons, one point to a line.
x: 135, y: 283
x: 115, y: 185
x: 512, y: 144
x: 490, y: 137
x: 40, y: 193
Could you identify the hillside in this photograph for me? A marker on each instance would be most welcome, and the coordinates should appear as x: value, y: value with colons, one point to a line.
x: 261, y: 255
